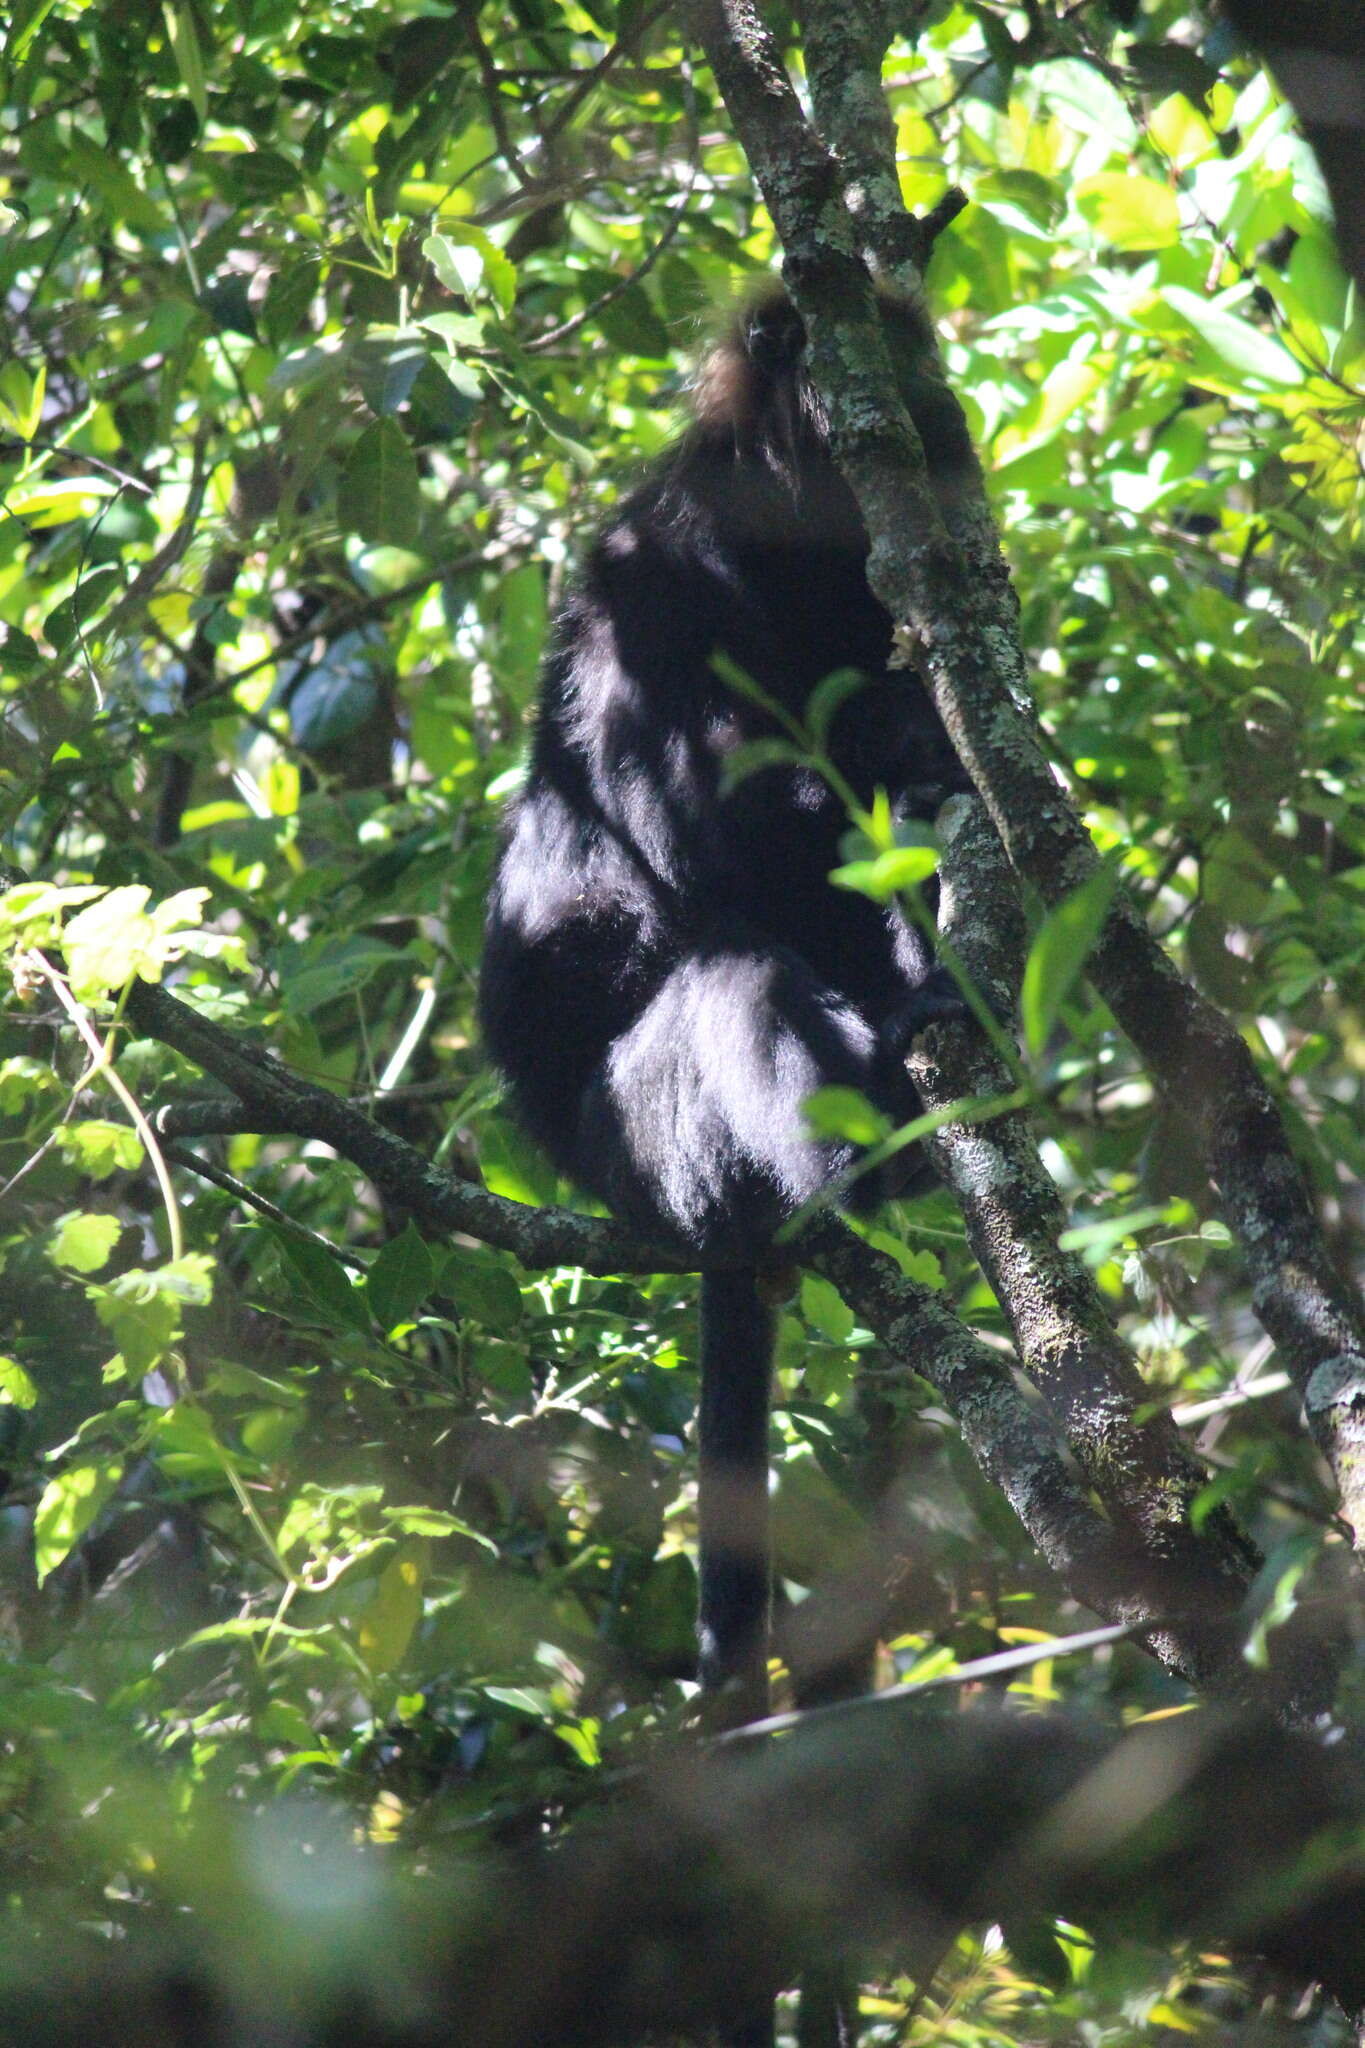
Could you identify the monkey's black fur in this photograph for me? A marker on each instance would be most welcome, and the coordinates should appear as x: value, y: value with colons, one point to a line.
x: 668, y: 971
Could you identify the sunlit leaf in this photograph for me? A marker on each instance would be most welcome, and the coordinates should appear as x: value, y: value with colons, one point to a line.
x: 387, y: 1621
x: 17, y: 1389
x: 1129, y: 212
x: 67, y: 1507
x: 82, y: 1241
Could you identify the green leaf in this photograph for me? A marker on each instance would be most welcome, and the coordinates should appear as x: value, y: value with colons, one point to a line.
x: 522, y: 617
x: 400, y: 1278
x: 434, y: 1522
x: 65, y: 620
x: 24, y: 1080
x: 920, y: 1266
x: 582, y: 1737
x: 82, y: 1241
x: 230, y: 1376
x: 268, y: 1432
x: 189, y: 58
x: 844, y: 1113
x: 123, y: 197
x: 1237, y: 878
x: 900, y: 867
x: 629, y: 322
x: 532, y: 1701
x: 187, y: 1447
x: 25, y: 22
x: 117, y: 938
x: 1248, y: 354
x: 21, y: 651
x: 68, y: 1506
x: 512, y: 1166
x: 16, y: 1388
x: 1324, y: 292
x: 1040, y: 198
x: 825, y: 1309
x: 324, y: 1280
x: 482, y: 1289
x: 386, y: 1624
x: 1059, y: 953
x: 282, y: 1721
x: 456, y: 330
x: 468, y: 262
x: 1085, y: 99
x: 659, y: 1627
x: 379, y: 496
x: 756, y: 755
x: 1096, y: 1241
x: 287, y: 298
x: 1129, y: 212
x: 51, y: 501
x: 21, y: 399
x: 256, y: 177
x: 334, y: 967
x: 102, y: 942
x: 142, y: 1307
x: 388, y: 362
x: 824, y: 701
x: 1276, y: 1591
x: 98, y: 1148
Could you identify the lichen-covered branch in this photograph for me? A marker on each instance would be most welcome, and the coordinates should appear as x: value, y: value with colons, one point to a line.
x: 1142, y: 1471
x: 941, y: 573
x: 265, y: 1097
x: 1189, y: 1602
x: 1189, y: 1613
x: 1067, y: 1342
x: 843, y: 51
x: 1186, y: 1593
x: 1010, y: 1440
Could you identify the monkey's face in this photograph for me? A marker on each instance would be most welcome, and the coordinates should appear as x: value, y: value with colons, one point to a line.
x: 754, y: 394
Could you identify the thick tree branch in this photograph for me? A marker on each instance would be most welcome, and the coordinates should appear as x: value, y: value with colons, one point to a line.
x: 940, y: 570
x: 844, y: 48
x: 1142, y: 1471
x: 1185, y: 1594
x: 1187, y: 1602
x: 1010, y: 1439
x: 1184, y: 1602
x: 267, y: 1098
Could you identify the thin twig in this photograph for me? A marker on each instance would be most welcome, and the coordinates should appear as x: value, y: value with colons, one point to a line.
x: 175, y: 1155
x: 998, y: 1665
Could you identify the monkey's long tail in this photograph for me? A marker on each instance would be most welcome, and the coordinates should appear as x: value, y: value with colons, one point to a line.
x: 737, y: 1329
x: 733, y: 1542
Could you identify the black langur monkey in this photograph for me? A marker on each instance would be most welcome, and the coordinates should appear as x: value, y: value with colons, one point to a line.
x: 668, y: 972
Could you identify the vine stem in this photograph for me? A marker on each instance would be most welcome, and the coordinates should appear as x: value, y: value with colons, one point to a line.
x: 102, y: 1063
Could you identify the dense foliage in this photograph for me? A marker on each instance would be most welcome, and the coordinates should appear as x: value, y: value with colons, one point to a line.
x: 329, y: 332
